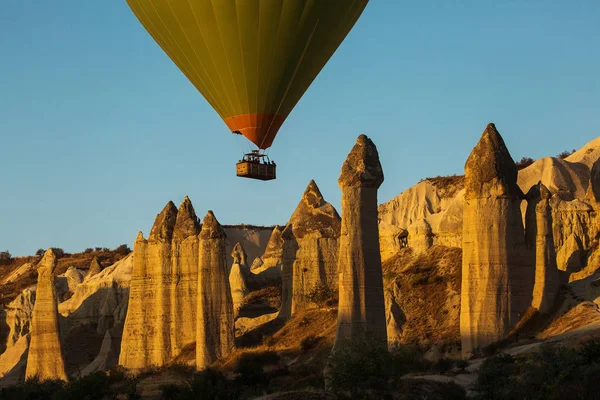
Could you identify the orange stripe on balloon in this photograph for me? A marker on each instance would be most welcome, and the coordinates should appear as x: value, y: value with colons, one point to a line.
x: 260, y: 129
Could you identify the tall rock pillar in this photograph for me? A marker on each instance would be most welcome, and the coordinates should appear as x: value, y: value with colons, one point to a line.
x: 215, y: 326
x: 45, y: 359
x: 184, y: 282
x: 147, y: 332
x: 290, y: 248
x: 361, y: 299
x: 497, y: 271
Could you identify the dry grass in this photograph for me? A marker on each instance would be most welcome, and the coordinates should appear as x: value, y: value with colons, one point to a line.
x: 427, y: 289
x: 448, y: 186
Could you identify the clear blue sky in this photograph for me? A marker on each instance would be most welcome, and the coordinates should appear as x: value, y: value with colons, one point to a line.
x: 99, y: 129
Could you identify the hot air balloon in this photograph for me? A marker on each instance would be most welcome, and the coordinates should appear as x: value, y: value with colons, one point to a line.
x: 251, y: 59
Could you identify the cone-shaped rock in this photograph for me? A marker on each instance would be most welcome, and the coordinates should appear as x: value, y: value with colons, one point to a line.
x: 316, y: 228
x: 94, y: 269
x: 546, y: 272
x: 238, y: 277
x: 147, y: 332
x: 497, y: 273
x: 361, y: 299
x: 184, y: 281
x: 45, y: 359
x: 215, y: 327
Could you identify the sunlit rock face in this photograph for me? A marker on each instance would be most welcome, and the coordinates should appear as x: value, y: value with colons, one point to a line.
x: 215, y: 322
x: 497, y: 269
x: 45, y: 358
x: 147, y: 332
x: 361, y: 298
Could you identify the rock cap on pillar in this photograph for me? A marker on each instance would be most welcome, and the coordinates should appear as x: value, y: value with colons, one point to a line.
x: 211, y: 229
x: 186, y: 223
x: 164, y: 224
x: 362, y: 167
x: 491, y: 163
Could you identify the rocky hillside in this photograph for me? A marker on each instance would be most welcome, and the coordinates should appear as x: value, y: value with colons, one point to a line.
x: 431, y: 212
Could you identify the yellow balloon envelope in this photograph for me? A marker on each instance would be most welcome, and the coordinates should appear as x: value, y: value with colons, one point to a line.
x: 251, y: 59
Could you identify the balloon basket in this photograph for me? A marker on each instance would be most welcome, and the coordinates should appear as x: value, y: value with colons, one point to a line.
x: 254, y: 166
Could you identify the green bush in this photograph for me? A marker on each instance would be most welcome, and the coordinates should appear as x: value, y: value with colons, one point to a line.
x: 323, y: 295
x: 551, y: 373
x: 309, y: 343
x: 250, y: 370
x: 363, y: 368
x: 206, y: 385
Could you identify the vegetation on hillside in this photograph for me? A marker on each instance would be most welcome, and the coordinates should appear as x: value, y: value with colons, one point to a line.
x: 82, y: 260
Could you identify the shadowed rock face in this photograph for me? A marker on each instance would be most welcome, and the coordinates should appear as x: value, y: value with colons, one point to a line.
x: 361, y: 299
x: 215, y: 327
x: 546, y: 272
x: 45, y: 359
x: 290, y: 248
x: 497, y: 272
x: 147, y: 333
x: 593, y: 192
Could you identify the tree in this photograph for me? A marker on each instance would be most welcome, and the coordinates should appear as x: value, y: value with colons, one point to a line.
x: 565, y: 154
x: 524, y: 163
x: 5, y: 257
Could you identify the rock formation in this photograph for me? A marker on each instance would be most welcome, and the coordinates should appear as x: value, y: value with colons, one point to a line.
x: 420, y: 236
x: 101, y: 299
x: 74, y: 277
x: 267, y: 268
x: 147, y: 332
x: 215, y: 327
x: 184, y: 277
x: 316, y: 228
x: 361, y: 298
x: 18, y: 315
x: 95, y: 269
x: 108, y: 357
x: 546, y: 273
x: 238, y: 277
x: 13, y: 361
x: 290, y: 248
x: 497, y: 281
x: 45, y: 358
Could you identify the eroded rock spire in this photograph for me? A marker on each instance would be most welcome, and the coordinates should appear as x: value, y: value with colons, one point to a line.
x: 45, y: 359
x: 497, y: 269
x: 215, y: 327
x: 361, y: 300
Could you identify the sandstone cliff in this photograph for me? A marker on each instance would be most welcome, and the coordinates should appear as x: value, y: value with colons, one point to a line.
x: 45, y: 356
